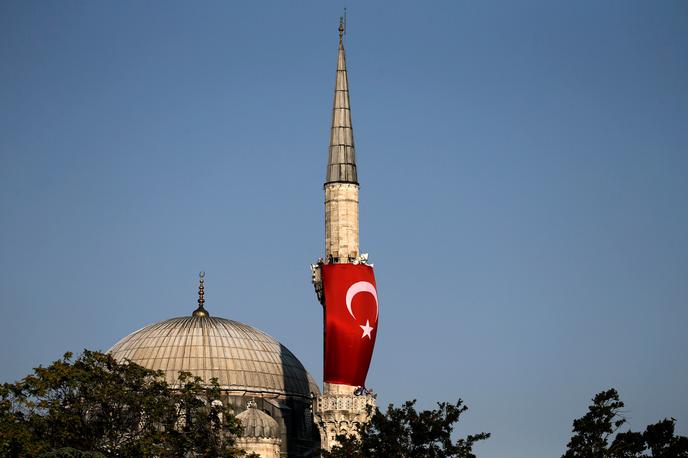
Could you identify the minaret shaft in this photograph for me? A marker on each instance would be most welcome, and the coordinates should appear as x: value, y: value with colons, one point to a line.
x: 341, y: 222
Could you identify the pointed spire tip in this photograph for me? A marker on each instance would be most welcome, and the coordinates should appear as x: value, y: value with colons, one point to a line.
x: 341, y: 164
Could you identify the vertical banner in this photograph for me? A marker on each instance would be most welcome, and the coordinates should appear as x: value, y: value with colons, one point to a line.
x: 351, y: 317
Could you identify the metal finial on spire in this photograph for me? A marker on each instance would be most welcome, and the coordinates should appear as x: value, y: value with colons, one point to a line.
x: 341, y: 26
x: 200, y: 311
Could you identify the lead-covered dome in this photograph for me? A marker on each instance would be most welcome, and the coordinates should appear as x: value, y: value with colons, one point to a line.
x: 257, y: 423
x: 241, y: 357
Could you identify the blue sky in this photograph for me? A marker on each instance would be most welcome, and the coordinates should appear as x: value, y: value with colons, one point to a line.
x: 524, y: 179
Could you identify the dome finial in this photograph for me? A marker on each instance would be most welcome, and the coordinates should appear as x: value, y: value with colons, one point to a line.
x: 200, y: 311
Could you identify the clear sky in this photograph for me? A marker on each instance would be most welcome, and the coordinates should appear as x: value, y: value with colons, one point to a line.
x: 524, y: 191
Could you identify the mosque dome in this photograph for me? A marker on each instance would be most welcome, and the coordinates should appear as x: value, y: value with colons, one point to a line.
x: 241, y: 357
x: 248, y: 364
x: 257, y: 423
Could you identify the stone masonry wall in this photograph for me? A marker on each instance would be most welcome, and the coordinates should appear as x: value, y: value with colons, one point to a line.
x: 341, y: 221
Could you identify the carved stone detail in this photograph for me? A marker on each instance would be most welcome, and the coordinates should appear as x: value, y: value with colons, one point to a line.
x: 340, y: 413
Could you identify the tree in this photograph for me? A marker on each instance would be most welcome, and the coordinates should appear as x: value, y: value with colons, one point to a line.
x: 601, y: 424
x: 404, y: 432
x: 95, y: 406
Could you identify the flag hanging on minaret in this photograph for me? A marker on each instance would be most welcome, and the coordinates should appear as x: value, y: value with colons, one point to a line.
x: 351, y: 317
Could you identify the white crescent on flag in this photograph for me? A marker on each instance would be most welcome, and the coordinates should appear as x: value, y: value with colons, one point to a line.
x: 361, y: 287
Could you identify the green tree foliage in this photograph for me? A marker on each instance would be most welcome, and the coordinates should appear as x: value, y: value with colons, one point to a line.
x: 96, y: 407
x: 404, y: 432
x: 596, y: 434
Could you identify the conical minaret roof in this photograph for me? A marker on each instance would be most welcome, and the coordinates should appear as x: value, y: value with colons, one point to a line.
x: 341, y: 164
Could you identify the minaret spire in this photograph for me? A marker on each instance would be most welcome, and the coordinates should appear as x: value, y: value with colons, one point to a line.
x: 341, y: 164
x: 341, y: 180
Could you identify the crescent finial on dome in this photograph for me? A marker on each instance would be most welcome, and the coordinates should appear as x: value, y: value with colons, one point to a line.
x: 200, y: 311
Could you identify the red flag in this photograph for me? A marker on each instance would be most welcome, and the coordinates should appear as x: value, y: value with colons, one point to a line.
x: 351, y: 312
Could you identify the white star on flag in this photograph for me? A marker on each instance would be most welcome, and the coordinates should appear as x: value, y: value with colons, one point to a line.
x: 367, y: 329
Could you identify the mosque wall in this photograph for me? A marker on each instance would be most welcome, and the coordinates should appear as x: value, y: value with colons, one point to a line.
x: 265, y: 447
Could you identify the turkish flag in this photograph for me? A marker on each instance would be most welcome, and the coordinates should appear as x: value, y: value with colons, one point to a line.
x: 351, y: 317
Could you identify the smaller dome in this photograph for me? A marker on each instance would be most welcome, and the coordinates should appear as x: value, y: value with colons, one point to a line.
x: 257, y: 423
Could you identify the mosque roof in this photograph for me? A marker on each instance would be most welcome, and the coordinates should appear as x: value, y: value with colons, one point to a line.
x: 241, y: 357
x: 257, y: 423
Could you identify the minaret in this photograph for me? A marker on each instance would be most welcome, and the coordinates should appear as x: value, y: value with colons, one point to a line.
x: 341, y: 407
